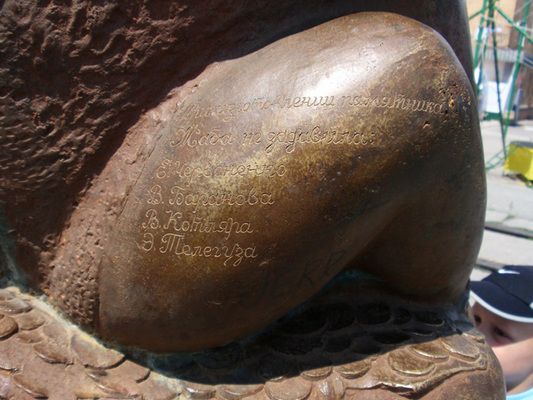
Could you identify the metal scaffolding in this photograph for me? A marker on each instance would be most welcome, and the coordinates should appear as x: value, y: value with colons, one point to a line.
x: 487, y: 14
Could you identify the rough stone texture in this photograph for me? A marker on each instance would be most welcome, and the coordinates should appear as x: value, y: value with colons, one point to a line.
x: 74, y: 76
x: 338, y: 346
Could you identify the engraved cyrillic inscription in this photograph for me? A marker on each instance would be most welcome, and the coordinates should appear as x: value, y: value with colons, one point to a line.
x: 147, y: 243
x: 192, y: 136
x: 215, y: 168
x: 232, y: 255
x: 178, y: 222
x: 399, y: 102
x: 228, y: 112
x: 177, y: 244
x: 190, y: 173
x: 248, y: 197
x: 289, y: 139
x: 154, y: 195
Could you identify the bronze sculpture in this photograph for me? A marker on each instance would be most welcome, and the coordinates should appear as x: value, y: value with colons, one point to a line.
x: 245, y: 190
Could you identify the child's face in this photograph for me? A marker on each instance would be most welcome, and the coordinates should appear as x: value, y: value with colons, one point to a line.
x: 499, y: 331
x: 511, y: 341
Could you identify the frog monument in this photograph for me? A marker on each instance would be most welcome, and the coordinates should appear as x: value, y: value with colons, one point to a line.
x: 243, y: 200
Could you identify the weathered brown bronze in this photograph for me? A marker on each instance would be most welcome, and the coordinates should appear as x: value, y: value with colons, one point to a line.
x: 175, y: 178
x: 353, y: 342
x: 273, y: 172
x: 384, y: 173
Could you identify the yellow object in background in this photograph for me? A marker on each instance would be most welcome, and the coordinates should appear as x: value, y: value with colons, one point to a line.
x: 520, y: 159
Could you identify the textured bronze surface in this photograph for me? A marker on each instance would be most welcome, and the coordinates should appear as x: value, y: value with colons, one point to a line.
x: 74, y: 179
x: 365, y: 346
x: 77, y: 81
x: 178, y: 175
x: 354, y: 144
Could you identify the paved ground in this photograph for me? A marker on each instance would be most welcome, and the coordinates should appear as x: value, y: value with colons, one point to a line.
x: 509, y: 206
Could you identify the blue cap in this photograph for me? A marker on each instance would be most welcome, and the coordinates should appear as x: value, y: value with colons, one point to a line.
x: 507, y: 292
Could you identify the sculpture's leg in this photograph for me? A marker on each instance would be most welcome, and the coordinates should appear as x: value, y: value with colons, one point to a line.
x: 76, y: 79
x: 55, y: 229
x: 258, y: 181
x: 430, y: 247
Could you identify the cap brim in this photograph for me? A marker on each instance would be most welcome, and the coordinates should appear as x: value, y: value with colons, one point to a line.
x: 501, y: 303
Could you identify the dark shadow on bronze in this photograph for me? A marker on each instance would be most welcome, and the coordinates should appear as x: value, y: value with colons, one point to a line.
x: 347, y: 326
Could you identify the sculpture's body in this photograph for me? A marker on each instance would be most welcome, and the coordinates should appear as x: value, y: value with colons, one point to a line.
x: 352, y: 145
x: 271, y: 173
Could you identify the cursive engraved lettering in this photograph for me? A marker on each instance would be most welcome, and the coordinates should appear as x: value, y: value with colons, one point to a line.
x: 154, y: 195
x: 173, y: 243
x: 169, y: 242
x: 250, y: 138
x: 147, y: 243
x: 229, y: 111
x: 189, y: 173
x: 250, y: 197
x: 289, y: 139
x: 192, y: 136
x: 228, y: 226
x: 399, y: 102
x: 153, y: 221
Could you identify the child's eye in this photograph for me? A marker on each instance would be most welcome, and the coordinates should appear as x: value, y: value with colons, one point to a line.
x: 477, y: 319
x: 499, y: 332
